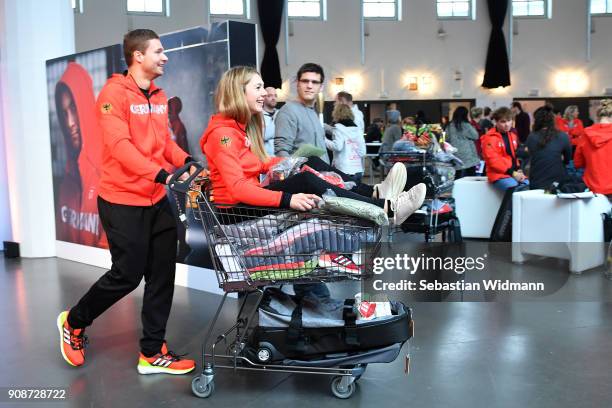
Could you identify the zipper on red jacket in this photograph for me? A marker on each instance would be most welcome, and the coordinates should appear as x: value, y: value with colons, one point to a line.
x: 148, y: 96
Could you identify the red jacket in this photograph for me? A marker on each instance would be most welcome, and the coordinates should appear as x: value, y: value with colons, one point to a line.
x: 499, y: 163
x: 137, y: 143
x: 594, y: 153
x: 77, y: 217
x: 234, y: 169
x: 476, y: 126
x: 575, y: 132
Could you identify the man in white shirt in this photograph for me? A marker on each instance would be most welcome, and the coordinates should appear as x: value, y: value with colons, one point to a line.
x: 347, y: 99
x: 269, y: 113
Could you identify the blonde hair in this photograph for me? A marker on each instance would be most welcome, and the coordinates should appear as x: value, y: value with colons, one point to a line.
x: 230, y: 100
x: 476, y: 112
x: 570, y: 111
x: 342, y: 112
x: 605, y: 109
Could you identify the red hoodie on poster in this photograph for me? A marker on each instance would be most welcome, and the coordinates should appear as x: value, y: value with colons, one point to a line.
x: 77, y: 219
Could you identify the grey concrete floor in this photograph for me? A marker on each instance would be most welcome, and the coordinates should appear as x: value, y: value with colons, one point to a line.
x: 464, y: 354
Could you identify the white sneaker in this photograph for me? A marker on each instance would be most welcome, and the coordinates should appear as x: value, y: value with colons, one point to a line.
x: 407, y: 203
x: 393, y: 184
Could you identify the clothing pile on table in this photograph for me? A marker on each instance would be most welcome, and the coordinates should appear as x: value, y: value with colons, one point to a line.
x: 281, y: 246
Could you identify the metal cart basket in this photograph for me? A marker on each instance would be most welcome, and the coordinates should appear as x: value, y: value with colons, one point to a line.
x: 254, y: 247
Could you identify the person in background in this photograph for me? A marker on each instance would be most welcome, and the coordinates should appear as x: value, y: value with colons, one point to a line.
x: 475, y: 118
x: 392, y: 114
x: 595, y: 150
x: 269, y: 114
x: 348, y: 143
x: 549, y: 149
x: 485, y: 123
x: 297, y: 122
x: 499, y: 146
x: 421, y: 119
x: 393, y: 133
x: 374, y: 133
x: 347, y: 99
x: 406, y: 122
x: 444, y: 120
x: 462, y: 135
x: 522, y: 122
x: 570, y: 124
x: 175, y: 106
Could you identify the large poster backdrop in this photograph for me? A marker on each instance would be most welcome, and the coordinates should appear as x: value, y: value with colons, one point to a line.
x: 197, y: 59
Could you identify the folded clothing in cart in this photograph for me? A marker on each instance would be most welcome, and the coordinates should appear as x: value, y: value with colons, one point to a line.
x: 265, y: 227
x: 315, y: 235
x: 235, y: 262
x: 288, y: 270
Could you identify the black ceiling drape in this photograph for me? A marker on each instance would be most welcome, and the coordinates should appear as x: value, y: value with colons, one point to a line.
x: 497, y: 70
x: 270, y: 19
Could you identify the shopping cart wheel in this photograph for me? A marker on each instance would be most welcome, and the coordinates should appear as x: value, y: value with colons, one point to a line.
x: 343, y: 386
x: 264, y: 354
x: 201, y: 390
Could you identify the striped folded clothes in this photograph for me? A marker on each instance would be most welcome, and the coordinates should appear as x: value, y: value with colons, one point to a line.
x: 290, y: 270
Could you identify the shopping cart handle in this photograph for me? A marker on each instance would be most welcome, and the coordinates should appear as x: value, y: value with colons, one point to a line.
x: 182, y: 186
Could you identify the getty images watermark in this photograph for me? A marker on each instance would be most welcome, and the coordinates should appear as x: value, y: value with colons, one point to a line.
x: 419, y: 272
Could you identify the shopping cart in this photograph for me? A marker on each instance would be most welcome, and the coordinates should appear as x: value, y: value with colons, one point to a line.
x: 249, y: 252
x: 439, y: 177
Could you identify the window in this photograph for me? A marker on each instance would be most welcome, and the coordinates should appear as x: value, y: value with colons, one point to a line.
x: 531, y: 8
x: 601, y: 6
x: 382, y: 9
x: 307, y: 9
x: 456, y: 9
x: 77, y: 6
x: 147, y: 7
x: 233, y: 8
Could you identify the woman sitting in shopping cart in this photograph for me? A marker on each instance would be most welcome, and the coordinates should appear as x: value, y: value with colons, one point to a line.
x: 233, y: 146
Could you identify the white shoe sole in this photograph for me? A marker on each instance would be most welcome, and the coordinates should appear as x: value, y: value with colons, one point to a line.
x: 162, y: 370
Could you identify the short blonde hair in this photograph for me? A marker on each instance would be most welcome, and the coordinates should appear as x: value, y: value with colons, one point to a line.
x: 230, y: 100
x: 476, y: 112
x: 342, y: 112
x: 569, y: 111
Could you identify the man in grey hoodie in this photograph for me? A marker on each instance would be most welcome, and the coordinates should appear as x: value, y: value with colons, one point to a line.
x: 297, y: 122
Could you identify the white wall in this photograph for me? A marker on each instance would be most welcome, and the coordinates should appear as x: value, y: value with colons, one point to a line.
x: 411, y: 46
x: 5, y: 214
x: 31, y: 32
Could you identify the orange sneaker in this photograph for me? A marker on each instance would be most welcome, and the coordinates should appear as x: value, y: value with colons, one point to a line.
x: 72, y: 341
x: 164, y: 362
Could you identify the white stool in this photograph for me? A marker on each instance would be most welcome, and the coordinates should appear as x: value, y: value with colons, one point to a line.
x: 572, y: 229
x: 476, y: 203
